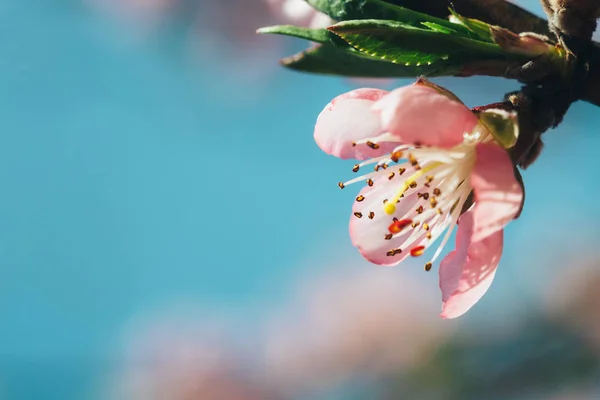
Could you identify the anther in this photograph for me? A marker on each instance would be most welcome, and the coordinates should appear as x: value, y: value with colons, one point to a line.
x: 372, y: 145
x: 360, y: 198
x: 353, y: 144
x: 398, y: 225
x: 437, y: 191
x: 356, y: 168
x: 428, y: 235
x: 389, y: 236
x: 341, y: 185
x: 396, y: 155
x: 419, y: 210
x: 401, y: 170
x: 415, y: 224
x: 358, y: 214
x: 417, y: 251
x: 428, y: 266
x: 391, y: 176
x: 371, y: 215
x: 394, y: 252
x: 370, y: 182
x: 429, y: 178
x: 412, y: 159
x: 412, y: 185
x: 426, y: 226
x: 433, y: 202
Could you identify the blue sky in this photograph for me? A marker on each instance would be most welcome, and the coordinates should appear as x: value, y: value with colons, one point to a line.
x: 134, y: 178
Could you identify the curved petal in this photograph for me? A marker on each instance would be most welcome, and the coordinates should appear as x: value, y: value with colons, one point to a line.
x: 421, y: 115
x: 498, y: 194
x: 347, y: 119
x: 467, y: 272
x: 368, y: 234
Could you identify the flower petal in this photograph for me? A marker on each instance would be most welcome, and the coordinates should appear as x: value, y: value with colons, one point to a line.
x: 347, y: 119
x: 421, y: 115
x: 368, y: 234
x: 467, y: 272
x: 498, y: 194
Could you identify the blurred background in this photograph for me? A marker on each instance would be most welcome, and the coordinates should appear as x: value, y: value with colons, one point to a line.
x: 170, y: 231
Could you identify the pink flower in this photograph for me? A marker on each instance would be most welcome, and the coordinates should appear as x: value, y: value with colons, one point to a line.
x: 430, y: 153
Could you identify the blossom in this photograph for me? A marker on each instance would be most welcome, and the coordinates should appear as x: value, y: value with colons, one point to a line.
x: 432, y: 158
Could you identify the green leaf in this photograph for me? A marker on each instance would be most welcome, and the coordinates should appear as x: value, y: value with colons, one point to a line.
x: 439, y: 28
x: 329, y: 59
x: 502, y: 124
x: 344, y: 10
x: 480, y: 29
x: 314, y: 35
x: 404, y: 44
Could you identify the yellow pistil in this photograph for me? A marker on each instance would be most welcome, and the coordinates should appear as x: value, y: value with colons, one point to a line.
x: 390, y: 206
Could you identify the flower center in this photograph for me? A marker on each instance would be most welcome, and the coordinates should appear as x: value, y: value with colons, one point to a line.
x: 429, y: 200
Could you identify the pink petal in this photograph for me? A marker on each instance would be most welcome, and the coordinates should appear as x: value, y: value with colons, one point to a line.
x: 498, y: 195
x: 468, y: 271
x: 421, y: 115
x: 349, y: 118
x: 368, y: 235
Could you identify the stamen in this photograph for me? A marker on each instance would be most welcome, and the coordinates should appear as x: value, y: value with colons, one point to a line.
x: 390, y: 207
